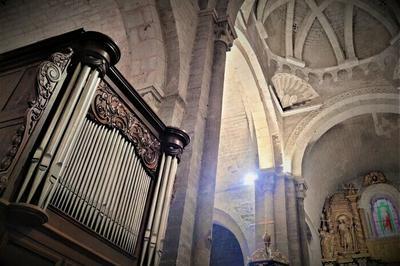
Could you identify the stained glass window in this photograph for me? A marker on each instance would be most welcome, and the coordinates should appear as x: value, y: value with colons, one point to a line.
x: 385, y: 218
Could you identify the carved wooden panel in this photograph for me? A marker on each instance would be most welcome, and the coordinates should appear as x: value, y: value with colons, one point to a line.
x: 109, y: 109
x: 34, y: 86
x: 18, y: 88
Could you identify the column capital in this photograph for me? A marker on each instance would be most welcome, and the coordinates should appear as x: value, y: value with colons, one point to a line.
x: 174, y: 141
x: 301, y: 187
x: 225, y: 31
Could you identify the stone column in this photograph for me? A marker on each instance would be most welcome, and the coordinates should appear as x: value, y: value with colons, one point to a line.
x: 280, y: 215
x: 181, y: 222
x: 292, y: 222
x: 224, y: 36
x: 301, y: 189
x: 265, y: 220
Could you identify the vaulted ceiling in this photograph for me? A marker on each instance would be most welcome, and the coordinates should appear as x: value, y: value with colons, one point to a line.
x: 326, y: 33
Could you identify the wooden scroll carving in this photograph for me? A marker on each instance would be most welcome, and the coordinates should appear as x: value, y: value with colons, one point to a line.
x: 49, y: 73
x: 108, y: 109
x: 48, y: 76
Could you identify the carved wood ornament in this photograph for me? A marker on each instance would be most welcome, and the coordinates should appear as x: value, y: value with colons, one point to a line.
x: 341, y: 232
x: 49, y: 74
x: 375, y: 177
x: 108, y: 109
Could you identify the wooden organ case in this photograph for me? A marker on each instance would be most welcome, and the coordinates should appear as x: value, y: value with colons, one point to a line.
x: 86, y: 167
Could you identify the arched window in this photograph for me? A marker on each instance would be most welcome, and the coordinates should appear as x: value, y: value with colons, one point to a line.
x: 385, y: 217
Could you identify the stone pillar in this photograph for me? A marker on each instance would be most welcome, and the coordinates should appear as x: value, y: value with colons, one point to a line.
x: 280, y: 214
x: 301, y: 189
x: 179, y: 235
x: 265, y: 221
x: 224, y: 36
x: 292, y: 223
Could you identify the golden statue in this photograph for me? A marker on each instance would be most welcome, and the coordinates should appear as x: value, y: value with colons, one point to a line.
x: 345, y: 234
x: 327, y: 243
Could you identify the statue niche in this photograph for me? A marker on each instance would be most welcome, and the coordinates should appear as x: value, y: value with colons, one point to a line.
x: 345, y: 231
x: 341, y: 233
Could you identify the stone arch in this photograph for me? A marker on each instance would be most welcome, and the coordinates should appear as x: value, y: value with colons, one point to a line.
x: 179, y: 19
x: 225, y: 248
x: 327, y: 77
x: 263, y: 113
x: 320, y: 121
x: 143, y: 29
x: 171, y: 45
x: 222, y: 218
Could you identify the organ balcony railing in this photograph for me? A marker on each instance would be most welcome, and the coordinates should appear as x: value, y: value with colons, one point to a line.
x: 87, y: 150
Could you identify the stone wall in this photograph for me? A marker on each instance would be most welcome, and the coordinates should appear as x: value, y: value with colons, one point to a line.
x: 25, y: 22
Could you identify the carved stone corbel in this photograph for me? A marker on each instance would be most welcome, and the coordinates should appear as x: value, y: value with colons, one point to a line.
x: 301, y: 188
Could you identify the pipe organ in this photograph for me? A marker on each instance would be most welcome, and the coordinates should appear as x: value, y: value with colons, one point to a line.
x: 90, y: 167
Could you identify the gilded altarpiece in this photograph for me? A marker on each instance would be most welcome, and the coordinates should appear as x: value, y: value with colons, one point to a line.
x: 359, y: 223
x: 341, y: 232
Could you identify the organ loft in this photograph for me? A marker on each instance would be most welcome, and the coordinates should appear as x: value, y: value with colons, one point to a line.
x: 200, y: 132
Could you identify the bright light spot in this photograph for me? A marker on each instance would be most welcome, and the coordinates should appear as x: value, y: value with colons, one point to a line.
x: 287, y: 166
x: 250, y: 178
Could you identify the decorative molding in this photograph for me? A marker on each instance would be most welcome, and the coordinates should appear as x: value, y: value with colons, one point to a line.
x: 375, y: 177
x: 48, y: 76
x: 49, y: 73
x: 175, y: 140
x: 298, y: 67
x: 292, y: 90
x: 98, y: 51
x: 11, y: 152
x: 290, y: 143
x: 108, y: 109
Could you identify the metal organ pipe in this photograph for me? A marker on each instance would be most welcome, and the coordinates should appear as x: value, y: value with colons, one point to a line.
x: 174, y: 142
x: 157, y: 215
x: 147, y: 233
x: 42, y: 146
x: 107, y: 187
x: 164, y: 216
x: 70, y: 137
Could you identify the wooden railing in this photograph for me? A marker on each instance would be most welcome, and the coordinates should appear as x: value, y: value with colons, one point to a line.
x: 88, y: 150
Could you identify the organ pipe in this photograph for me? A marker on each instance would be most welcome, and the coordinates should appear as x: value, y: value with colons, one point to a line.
x: 175, y: 141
